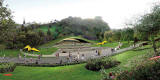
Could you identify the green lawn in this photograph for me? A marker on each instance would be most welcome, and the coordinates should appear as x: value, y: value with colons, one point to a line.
x: 9, y: 52
x: 113, y: 44
x: 45, y: 29
x: 75, y: 72
x: 46, y: 51
x: 126, y: 44
x: 127, y: 57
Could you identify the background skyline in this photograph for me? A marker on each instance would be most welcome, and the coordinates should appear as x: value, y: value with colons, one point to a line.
x: 115, y: 12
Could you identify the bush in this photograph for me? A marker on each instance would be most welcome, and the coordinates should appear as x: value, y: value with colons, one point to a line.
x: 7, y: 67
x: 98, y: 64
x: 148, y: 71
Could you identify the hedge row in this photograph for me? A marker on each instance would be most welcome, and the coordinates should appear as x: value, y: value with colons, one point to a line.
x: 48, y: 65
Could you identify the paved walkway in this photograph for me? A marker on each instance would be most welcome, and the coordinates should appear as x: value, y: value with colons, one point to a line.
x: 64, y: 56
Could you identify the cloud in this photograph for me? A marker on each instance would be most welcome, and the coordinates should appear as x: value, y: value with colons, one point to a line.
x: 114, y: 12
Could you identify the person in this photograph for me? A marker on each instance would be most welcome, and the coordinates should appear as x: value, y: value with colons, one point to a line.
x: 112, y: 50
x: 99, y: 52
x: 115, y: 49
x: 70, y: 57
x: 82, y: 57
x: 60, y: 61
x: 19, y: 56
x: 96, y: 51
x: 4, y: 56
x: 39, y: 57
x: 78, y: 56
x: 24, y: 57
x: 119, y: 47
x: 31, y: 60
x: 57, y: 55
x: 37, y: 62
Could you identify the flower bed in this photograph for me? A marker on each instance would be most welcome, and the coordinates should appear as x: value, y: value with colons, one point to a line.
x: 7, y: 67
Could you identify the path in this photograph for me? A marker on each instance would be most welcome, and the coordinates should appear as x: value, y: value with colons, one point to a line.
x: 63, y: 56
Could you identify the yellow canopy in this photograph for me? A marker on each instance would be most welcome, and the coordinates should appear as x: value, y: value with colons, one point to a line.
x: 28, y: 47
x: 34, y: 49
x: 104, y: 41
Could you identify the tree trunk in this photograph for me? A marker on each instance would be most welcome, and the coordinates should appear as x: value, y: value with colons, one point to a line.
x: 154, y: 46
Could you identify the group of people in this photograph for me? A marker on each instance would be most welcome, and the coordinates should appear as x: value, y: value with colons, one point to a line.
x: 30, y: 59
x: 116, y: 48
x: 70, y: 58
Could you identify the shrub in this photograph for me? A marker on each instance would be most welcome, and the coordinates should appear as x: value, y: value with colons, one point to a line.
x: 98, y: 64
x: 7, y: 67
x: 150, y: 70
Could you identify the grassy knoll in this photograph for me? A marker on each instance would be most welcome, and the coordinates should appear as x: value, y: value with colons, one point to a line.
x: 52, y: 43
x: 46, y: 51
x: 75, y: 72
x: 14, y: 53
x: 115, y: 44
x: 9, y: 53
x: 127, y: 58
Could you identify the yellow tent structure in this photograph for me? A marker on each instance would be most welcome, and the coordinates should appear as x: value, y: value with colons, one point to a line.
x: 34, y: 49
x: 104, y: 41
x: 28, y: 47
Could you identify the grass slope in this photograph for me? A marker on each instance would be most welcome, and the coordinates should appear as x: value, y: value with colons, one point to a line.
x: 46, y: 51
x: 9, y: 53
x: 74, y: 72
x: 52, y: 43
x: 115, y: 44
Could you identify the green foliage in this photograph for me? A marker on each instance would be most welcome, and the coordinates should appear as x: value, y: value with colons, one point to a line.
x: 127, y: 34
x: 98, y: 64
x: 108, y: 36
x: 6, y: 22
x: 88, y: 28
x: 7, y: 67
x: 75, y: 71
x: 148, y: 70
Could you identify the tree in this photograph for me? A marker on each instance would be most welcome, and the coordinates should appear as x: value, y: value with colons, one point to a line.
x: 108, y: 36
x: 6, y: 22
x: 149, y: 25
x: 127, y: 34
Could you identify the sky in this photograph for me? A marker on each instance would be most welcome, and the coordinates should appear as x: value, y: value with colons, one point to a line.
x: 115, y: 12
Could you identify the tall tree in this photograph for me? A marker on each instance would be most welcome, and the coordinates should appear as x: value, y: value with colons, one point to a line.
x: 6, y: 22
x: 149, y: 25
